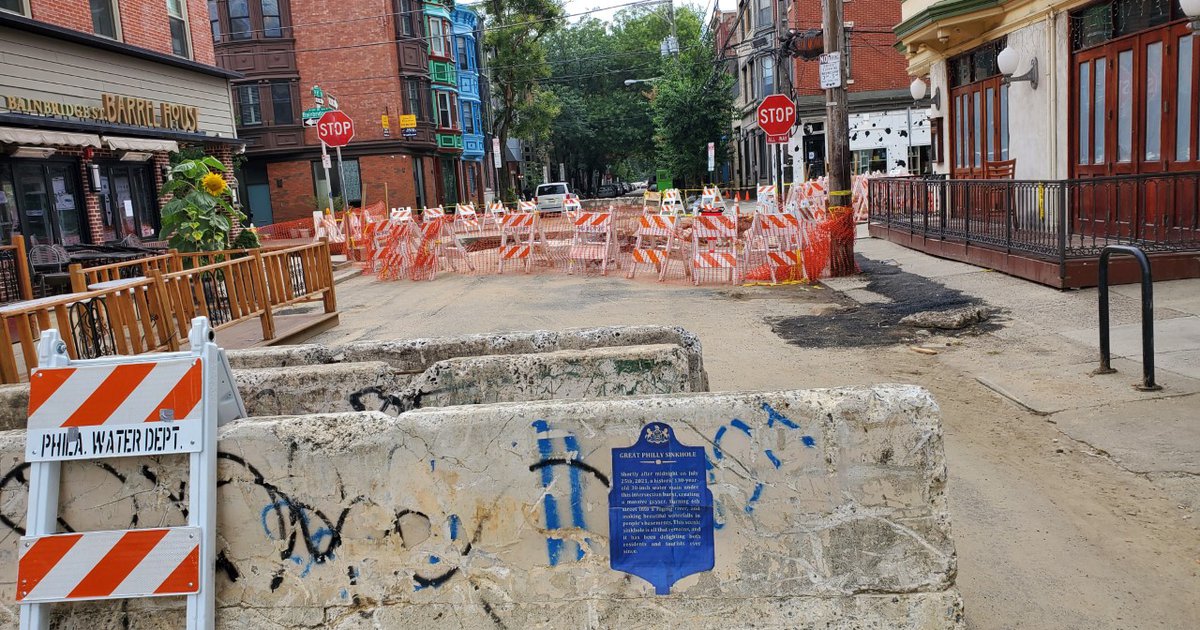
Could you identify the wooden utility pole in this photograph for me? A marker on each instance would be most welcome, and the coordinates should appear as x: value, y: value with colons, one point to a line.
x: 837, y: 129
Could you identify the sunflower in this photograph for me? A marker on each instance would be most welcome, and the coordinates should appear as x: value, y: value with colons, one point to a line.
x: 213, y: 183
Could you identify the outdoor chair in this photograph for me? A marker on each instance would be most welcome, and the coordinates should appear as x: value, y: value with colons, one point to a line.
x: 48, y: 265
x: 1000, y: 195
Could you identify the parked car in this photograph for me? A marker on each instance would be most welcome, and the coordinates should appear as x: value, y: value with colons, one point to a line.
x: 550, y: 197
x: 607, y: 191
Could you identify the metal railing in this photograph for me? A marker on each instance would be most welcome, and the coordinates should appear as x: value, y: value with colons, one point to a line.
x: 1071, y: 218
x: 1147, y: 384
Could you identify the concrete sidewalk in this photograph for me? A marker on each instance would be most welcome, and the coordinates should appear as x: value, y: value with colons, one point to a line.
x: 1043, y: 356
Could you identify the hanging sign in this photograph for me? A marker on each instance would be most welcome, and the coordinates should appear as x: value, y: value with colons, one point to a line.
x: 831, y: 70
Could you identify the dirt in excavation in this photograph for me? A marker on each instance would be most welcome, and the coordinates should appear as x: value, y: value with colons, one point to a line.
x: 865, y: 325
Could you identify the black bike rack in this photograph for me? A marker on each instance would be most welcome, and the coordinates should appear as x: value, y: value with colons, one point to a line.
x: 1147, y: 384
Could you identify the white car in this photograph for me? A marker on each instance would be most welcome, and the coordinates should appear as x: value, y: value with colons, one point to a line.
x: 551, y: 197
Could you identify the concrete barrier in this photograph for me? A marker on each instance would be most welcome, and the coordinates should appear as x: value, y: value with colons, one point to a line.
x: 414, y: 356
x: 829, y: 509
x: 331, y: 387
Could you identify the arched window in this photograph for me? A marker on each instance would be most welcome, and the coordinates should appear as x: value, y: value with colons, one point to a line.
x: 242, y: 20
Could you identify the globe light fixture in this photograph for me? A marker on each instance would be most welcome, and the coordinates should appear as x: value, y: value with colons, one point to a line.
x: 1191, y: 8
x: 1007, y: 62
x: 918, y: 89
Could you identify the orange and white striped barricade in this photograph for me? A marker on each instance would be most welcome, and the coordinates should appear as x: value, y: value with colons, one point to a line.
x: 492, y: 217
x: 766, y: 199
x: 775, y: 239
x: 714, y: 246
x: 145, y: 405
x: 711, y: 196
x: 466, y: 219
x: 394, y: 250
x: 518, y: 234
x: 452, y: 242
x: 592, y: 241
x: 401, y: 215
x: 672, y: 202
x: 656, y: 240
x: 527, y: 206
x: 429, y: 215
x: 571, y: 205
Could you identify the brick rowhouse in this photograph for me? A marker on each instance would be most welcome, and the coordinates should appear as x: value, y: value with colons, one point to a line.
x: 374, y: 58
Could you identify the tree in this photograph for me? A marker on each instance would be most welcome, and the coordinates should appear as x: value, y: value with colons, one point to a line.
x: 523, y: 109
x: 693, y: 105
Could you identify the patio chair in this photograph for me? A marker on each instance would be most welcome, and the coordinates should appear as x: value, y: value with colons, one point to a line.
x: 1000, y: 194
x: 49, y: 267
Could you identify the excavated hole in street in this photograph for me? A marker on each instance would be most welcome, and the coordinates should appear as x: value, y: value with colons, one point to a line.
x: 871, y: 325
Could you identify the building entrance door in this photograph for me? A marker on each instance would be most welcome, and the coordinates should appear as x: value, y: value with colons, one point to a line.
x: 127, y: 202
x: 47, y: 201
x: 449, y: 183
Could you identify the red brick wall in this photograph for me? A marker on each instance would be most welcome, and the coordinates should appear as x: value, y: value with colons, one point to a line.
x: 143, y: 23
x: 396, y: 171
x: 874, y: 64
x: 364, y: 79
x: 294, y: 199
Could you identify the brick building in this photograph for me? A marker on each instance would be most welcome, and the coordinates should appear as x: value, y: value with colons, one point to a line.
x: 379, y: 60
x: 888, y: 132
x: 93, y: 98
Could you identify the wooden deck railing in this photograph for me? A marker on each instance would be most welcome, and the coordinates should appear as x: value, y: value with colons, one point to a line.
x: 84, y: 277
x: 154, y: 313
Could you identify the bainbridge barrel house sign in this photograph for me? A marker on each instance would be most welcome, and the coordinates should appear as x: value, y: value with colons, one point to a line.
x: 87, y: 125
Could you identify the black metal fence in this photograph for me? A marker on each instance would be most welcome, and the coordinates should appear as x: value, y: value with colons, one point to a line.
x: 1059, y: 219
x: 10, y: 276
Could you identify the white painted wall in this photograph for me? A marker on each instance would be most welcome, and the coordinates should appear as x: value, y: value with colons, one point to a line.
x: 895, y: 130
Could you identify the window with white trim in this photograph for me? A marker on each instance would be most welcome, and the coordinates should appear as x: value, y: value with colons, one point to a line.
x: 177, y: 17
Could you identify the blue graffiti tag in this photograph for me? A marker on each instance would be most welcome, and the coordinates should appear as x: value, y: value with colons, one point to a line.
x: 576, y: 468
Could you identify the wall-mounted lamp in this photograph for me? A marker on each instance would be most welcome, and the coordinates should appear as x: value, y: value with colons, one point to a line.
x: 233, y: 189
x: 165, y: 169
x: 918, y: 90
x: 1007, y: 61
x: 1191, y: 8
x: 94, y: 178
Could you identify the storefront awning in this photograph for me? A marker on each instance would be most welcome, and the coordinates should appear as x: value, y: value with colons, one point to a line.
x: 140, y: 144
x: 13, y: 135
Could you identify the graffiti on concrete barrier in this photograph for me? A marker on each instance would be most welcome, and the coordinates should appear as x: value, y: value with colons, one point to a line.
x: 388, y: 403
x: 553, y: 457
x: 719, y: 456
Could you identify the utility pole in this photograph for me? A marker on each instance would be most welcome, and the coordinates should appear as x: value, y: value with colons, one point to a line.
x: 837, y: 128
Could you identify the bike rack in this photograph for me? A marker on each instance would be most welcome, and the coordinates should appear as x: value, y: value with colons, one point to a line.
x: 1147, y: 384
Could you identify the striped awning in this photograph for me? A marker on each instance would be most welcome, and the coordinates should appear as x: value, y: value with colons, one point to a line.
x: 39, y: 137
x: 140, y: 144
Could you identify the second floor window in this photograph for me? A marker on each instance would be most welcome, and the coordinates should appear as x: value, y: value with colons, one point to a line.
x: 249, y: 105
x: 412, y: 98
x: 281, y: 104
x: 104, y: 18
x: 446, y: 105
x: 437, y: 43
x: 767, y: 67
x: 177, y: 16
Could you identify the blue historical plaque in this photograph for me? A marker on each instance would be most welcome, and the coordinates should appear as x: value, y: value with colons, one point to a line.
x: 660, y: 514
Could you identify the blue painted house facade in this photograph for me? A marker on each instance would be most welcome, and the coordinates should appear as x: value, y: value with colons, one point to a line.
x: 467, y: 35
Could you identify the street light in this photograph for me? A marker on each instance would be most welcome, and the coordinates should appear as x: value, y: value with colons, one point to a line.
x: 1191, y: 8
x: 635, y: 81
x: 1007, y: 62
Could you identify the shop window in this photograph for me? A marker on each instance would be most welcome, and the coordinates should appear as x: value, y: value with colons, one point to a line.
x: 869, y: 161
x: 352, y: 195
x: 1185, y: 122
x: 41, y: 201
x: 1100, y: 23
x: 249, y: 105
x: 283, y: 107
x: 177, y: 17
x: 104, y: 18
x: 14, y: 6
x: 919, y: 160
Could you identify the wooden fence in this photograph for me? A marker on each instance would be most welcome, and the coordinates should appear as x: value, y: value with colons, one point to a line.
x: 152, y: 307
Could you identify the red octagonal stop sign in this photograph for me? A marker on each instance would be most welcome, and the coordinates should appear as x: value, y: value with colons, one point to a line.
x: 336, y: 129
x: 776, y: 115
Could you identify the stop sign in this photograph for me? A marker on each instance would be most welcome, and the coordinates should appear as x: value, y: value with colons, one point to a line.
x: 776, y: 115
x: 336, y: 129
